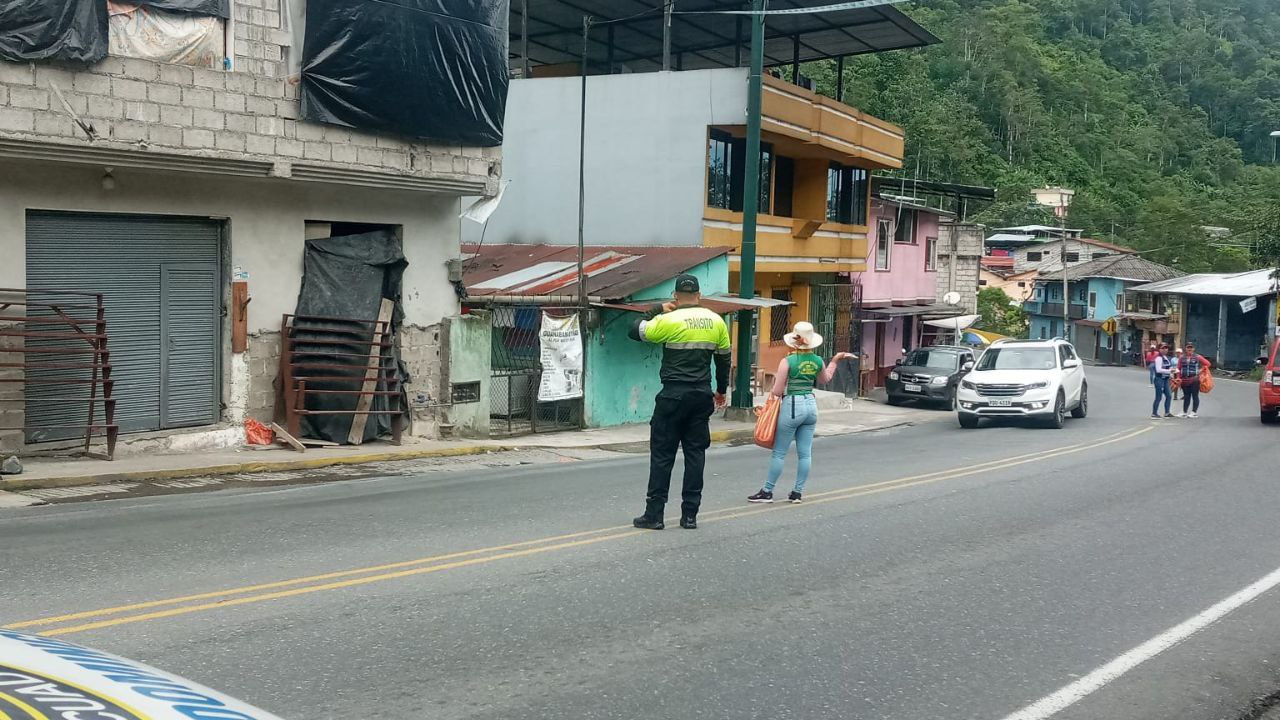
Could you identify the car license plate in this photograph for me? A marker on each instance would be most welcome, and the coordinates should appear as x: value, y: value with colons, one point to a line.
x: 912, y: 388
x: 1001, y: 403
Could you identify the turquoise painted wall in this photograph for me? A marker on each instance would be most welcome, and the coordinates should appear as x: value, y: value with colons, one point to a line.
x: 713, y: 276
x: 1106, y: 289
x: 622, y: 374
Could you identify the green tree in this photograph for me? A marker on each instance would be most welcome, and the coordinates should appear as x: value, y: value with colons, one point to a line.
x: 1000, y: 314
x: 1158, y: 112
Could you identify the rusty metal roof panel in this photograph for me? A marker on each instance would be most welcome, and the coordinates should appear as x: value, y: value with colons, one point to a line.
x: 613, y: 272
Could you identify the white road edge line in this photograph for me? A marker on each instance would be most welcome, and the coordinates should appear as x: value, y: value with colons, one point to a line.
x: 1096, y: 680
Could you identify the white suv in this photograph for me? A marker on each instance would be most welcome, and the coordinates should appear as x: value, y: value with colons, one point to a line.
x: 1042, y: 379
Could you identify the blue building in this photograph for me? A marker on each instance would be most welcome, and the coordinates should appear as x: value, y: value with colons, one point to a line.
x: 1095, y: 294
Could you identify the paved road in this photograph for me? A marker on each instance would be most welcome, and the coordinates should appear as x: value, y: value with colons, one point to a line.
x: 933, y: 573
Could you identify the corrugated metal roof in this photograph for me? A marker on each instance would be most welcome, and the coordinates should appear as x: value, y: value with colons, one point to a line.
x: 613, y: 272
x: 1012, y: 238
x: 1121, y: 267
x: 1246, y: 284
x: 707, y: 40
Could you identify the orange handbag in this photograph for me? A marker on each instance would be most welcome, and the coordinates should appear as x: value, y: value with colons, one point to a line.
x: 1206, y: 381
x: 767, y: 422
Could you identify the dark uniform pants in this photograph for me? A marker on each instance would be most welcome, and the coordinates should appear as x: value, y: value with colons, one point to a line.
x: 679, y: 421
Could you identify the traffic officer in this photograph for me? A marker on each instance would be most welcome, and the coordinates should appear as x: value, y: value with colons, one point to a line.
x: 692, y: 338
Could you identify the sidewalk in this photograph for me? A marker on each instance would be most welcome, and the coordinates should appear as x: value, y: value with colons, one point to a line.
x: 42, y: 473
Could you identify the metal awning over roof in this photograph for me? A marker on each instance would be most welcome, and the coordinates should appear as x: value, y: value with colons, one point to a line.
x: 902, y: 311
x: 1246, y: 284
x: 706, y: 41
x: 545, y: 272
x: 722, y: 304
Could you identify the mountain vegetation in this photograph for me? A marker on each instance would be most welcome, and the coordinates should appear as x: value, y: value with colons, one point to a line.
x: 1159, y: 113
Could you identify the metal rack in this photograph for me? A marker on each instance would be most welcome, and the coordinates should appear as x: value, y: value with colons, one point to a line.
x: 339, y: 357
x: 51, y: 327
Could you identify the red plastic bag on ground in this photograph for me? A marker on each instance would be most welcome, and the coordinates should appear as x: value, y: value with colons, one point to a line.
x: 1206, y: 381
x: 255, y: 433
x: 767, y: 422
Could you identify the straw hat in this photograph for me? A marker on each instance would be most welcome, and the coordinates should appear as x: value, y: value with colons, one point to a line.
x: 802, y: 337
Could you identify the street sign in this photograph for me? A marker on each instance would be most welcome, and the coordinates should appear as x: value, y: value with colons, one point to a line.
x: 1110, y: 326
x: 1248, y: 304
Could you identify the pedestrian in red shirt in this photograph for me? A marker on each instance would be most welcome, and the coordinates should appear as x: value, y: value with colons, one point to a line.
x: 1150, y: 361
x: 1189, y: 367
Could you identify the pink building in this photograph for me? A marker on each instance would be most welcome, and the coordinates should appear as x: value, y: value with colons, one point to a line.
x: 900, y: 284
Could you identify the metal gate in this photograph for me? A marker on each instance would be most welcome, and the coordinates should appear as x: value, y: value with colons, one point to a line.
x: 160, y: 281
x: 835, y: 310
x: 514, y: 408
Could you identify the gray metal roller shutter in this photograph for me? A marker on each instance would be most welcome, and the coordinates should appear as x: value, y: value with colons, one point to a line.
x: 160, y: 281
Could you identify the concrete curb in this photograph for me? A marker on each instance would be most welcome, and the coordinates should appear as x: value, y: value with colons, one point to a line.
x: 18, y: 483
x: 261, y: 466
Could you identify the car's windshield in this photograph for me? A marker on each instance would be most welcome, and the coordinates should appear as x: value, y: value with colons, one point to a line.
x: 936, y: 359
x: 1018, y: 358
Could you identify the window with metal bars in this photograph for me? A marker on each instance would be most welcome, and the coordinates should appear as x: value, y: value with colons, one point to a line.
x: 780, y: 316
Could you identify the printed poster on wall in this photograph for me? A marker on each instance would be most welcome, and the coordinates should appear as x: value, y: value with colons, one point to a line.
x: 561, y: 342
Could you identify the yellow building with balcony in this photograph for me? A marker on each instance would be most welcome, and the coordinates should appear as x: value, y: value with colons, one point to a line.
x: 662, y: 153
x: 663, y: 166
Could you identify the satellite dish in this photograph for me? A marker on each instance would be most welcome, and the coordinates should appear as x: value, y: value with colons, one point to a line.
x: 951, y: 298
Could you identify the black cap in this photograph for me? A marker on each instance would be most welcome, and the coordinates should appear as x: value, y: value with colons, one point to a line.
x: 687, y: 284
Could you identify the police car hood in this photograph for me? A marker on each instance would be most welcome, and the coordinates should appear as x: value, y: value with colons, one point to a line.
x: 44, y: 677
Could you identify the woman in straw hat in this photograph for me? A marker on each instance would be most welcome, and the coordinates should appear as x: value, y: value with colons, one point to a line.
x: 798, y: 418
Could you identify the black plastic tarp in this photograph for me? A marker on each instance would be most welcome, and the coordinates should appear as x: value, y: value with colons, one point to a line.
x: 216, y: 8
x: 433, y: 69
x: 74, y: 30
x: 348, y: 277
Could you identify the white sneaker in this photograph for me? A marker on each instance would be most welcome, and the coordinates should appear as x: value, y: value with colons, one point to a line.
x: 1192, y: 415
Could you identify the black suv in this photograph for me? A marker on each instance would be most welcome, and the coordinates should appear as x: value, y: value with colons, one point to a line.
x: 930, y: 374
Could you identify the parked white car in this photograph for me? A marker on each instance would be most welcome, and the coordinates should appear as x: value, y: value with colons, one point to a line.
x: 1040, y: 379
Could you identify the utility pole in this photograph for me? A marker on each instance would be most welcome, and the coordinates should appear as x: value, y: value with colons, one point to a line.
x: 1059, y: 199
x: 670, y: 6
x: 583, y: 301
x: 750, y: 207
x: 1066, y: 297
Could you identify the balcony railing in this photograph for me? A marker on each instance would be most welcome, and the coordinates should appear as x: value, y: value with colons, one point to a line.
x: 1055, y: 309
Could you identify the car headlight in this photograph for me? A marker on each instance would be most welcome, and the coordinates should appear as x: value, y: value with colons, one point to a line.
x: 940, y: 380
x: 968, y: 385
x: 1038, y: 386
x: 893, y: 375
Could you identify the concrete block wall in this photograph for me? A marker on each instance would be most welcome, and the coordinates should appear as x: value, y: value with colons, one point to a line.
x: 263, y: 370
x: 964, y: 243
x: 12, y: 414
x: 249, y: 113
x: 262, y: 38
x: 420, y: 350
x: 142, y: 105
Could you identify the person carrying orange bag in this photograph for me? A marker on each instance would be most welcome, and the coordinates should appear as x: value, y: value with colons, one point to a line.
x: 1193, y: 372
x: 798, y: 408
x: 767, y: 422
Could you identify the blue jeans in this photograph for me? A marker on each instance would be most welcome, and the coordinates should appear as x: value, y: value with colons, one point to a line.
x: 1151, y: 374
x: 797, y: 420
x: 1162, y: 391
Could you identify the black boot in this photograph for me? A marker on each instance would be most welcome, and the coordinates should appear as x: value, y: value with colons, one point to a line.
x: 644, y: 522
x: 689, y: 522
x: 652, y: 517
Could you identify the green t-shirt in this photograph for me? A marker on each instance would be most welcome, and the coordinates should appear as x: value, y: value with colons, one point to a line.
x: 802, y: 373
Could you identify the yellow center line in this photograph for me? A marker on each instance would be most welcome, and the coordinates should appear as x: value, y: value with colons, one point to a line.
x: 514, y: 550
x: 34, y: 713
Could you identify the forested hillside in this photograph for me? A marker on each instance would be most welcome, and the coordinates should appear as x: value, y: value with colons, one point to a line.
x: 1158, y: 112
